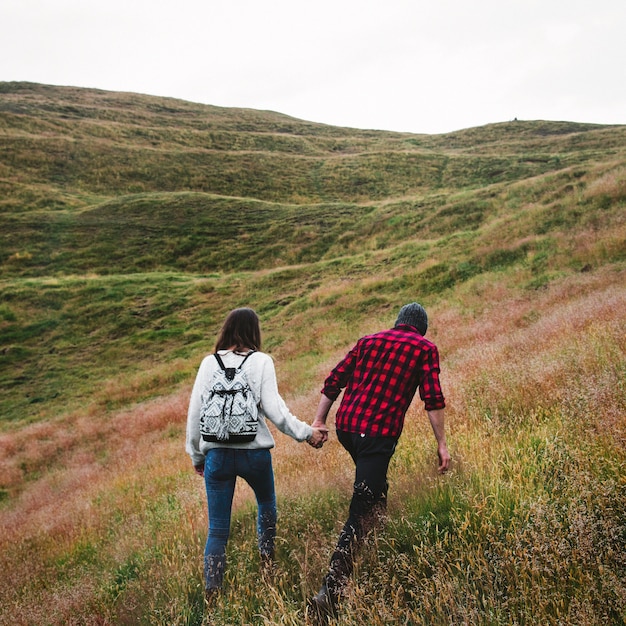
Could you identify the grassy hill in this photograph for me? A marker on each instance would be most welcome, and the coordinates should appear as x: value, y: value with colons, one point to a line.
x: 130, y: 225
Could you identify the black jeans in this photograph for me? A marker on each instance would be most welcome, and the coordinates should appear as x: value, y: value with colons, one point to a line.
x: 371, y: 456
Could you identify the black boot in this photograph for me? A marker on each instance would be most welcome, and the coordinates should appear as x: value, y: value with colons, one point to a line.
x: 323, y: 606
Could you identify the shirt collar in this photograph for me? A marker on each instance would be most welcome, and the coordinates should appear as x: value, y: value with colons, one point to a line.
x: 408, y: 327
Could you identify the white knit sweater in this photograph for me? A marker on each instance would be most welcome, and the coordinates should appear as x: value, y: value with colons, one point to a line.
x: 259, y: 369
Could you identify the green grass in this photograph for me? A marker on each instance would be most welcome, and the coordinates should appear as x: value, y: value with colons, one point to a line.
x: 130, y: 226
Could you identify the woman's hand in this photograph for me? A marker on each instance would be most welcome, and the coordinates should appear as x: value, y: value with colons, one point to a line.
x: 319, y: 436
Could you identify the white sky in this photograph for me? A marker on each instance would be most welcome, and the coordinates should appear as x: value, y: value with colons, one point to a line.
x: 406, y: 65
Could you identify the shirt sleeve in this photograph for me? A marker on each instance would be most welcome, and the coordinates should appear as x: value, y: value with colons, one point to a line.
x: 430, y: 387
x: 275, y: 409
x: 340, y: 375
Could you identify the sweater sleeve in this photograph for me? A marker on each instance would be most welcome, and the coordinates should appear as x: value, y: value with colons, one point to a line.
x: 274, y: 407
x: 192, y: 444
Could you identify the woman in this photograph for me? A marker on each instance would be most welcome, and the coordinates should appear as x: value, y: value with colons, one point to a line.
x: 221, y: 463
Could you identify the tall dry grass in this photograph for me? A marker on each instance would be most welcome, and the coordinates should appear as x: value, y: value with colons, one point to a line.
x: 527, y: 528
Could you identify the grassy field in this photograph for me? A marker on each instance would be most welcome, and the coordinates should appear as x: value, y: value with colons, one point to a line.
x: 130, y: 225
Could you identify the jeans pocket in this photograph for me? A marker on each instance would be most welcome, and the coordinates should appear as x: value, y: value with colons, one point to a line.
x: 218, y: 465
x: 259, y: 461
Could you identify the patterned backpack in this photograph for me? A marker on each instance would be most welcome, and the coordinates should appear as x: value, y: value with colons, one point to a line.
x: 229, y: 412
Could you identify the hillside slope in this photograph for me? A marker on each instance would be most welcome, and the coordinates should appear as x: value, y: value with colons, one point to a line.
x: 102, y: 182
x: 130, y: 225
x: 172, y: 201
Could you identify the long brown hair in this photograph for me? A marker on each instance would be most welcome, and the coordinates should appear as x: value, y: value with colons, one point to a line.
x: 241, y: 329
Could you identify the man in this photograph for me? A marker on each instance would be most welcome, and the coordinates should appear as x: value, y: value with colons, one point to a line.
x: 380, y: 375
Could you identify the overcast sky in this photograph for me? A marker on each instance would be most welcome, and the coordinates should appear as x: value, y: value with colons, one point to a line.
x: 406, y: 65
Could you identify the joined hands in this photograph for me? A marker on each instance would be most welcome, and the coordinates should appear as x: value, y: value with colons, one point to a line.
x: 319, y: 436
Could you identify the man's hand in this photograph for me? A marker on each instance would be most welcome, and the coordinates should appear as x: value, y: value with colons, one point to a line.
x: 319, y: 421
x: 444, y: 458
x: 436, y: 421
x: 199, y: 469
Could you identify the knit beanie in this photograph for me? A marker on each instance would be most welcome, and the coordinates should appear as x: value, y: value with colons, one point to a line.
x: 414, y: 315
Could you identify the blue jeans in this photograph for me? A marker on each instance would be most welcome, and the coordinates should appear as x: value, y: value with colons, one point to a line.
x: 221, y: 468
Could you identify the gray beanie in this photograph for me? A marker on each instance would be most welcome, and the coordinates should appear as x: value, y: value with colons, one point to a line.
x: 414, y: 315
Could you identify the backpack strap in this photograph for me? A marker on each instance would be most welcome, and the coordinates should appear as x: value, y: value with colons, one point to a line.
x: 246, y: 358
x: 221, y: 363
x: 219, y: 360
x: 230, y: 371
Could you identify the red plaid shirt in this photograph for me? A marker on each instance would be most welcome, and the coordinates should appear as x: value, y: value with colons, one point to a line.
x: 381, y: 375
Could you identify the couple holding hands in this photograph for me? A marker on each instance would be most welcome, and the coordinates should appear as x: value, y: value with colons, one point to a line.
x: 379, y: 376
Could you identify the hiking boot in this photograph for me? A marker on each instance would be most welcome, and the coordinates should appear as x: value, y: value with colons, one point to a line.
x: 210, y: 596
x: 268, y: 567
x: 323, y: 606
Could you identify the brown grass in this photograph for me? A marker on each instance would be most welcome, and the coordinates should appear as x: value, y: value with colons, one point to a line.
x: 107, y: 520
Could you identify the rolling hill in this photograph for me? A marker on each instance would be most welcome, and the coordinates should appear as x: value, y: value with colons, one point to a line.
x: 120, y: 212
x: 130, y: 225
